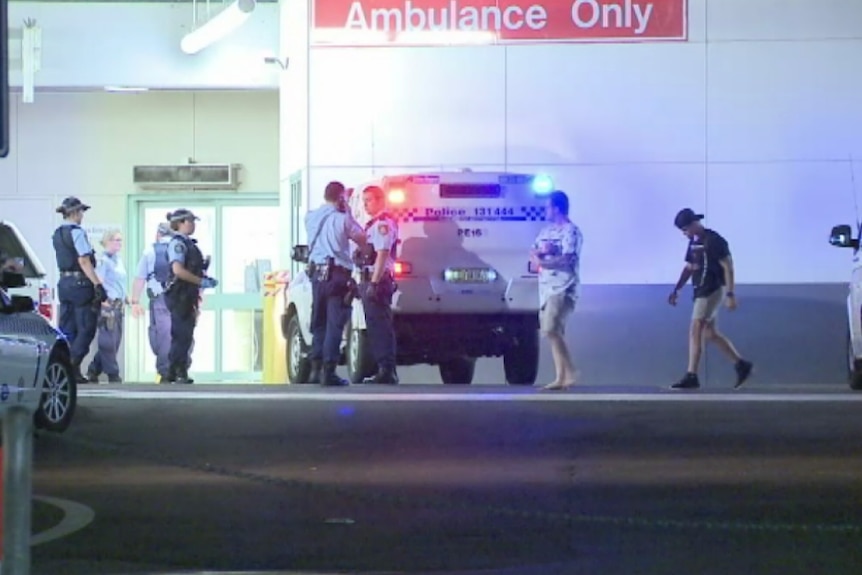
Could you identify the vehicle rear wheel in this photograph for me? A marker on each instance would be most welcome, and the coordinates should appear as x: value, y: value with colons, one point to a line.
x: 59, y: 394
x: 458, y: 371
x: 360, y: 363
x: 853, y: 366
x: 298, y: 362
x: 521, y: 361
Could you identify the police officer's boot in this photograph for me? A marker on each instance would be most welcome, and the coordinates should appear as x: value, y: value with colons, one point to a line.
x: 384, y: 375
x: 183, y: 376
x: 329, y: 378
x: 170, y: 376
x: 314, y: 375
x: 76, y: 371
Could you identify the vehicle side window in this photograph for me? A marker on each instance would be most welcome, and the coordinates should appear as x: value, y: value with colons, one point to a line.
x: 858, y: 237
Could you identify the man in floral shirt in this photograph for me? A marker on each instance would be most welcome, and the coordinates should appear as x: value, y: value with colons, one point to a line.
x: 557, y: 252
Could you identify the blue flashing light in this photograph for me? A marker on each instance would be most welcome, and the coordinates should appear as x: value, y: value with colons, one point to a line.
x: 543, y: 185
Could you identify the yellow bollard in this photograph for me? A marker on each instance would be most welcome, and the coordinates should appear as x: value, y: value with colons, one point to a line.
x: 274, y: 345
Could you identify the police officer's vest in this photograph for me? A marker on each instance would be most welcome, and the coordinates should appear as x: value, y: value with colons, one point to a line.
x: 393, y: 252
x: 194, y: 264
x: 64, y: 250
x: 162, y: 263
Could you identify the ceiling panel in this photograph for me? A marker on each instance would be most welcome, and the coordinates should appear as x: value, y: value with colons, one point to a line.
x: 212, y: 2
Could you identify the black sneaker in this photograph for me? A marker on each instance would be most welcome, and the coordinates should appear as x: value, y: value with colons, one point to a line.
x: 689, y: 381
x: 743, y: 372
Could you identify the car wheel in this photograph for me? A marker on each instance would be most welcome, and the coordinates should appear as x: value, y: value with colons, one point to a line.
x: 360, y: 364
x: 59, y: 394
x: 458, y: 371
x: 298, y: 363
x: 521, y: 361
x: 853, y: 367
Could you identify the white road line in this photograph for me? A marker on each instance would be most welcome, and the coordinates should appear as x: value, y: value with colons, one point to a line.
x: 75, y: 517
x: 409, y: 397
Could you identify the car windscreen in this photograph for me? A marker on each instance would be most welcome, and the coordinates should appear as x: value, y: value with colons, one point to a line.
x: 11, y: 247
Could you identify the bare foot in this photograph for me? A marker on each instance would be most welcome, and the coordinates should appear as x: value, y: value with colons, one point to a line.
x: 564, y: 383
x: 556, y: 384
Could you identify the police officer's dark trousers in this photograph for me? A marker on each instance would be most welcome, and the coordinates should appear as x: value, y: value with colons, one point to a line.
x: 78, y: 314
x: 329, y: 314
x: 378, y: 323
x: 182, y: 301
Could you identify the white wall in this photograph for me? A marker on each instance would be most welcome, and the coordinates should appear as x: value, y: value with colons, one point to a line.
x: 86, y: 145
x: 754, y: 120
x: 98, y: 44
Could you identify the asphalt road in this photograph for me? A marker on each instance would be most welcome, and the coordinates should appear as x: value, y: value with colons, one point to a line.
x: 427, y: 479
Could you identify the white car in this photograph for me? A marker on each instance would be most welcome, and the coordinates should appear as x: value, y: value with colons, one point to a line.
x: 32, y: 352
x: 466, y: 287
x: 842, y: 237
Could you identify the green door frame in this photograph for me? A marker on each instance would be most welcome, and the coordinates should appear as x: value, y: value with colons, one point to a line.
x: 217, y: 300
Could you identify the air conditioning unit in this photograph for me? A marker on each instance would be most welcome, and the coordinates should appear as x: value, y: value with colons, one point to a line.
x: 189, y: 176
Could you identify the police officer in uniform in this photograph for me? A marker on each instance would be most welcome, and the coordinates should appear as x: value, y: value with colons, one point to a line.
x: 378, y: 283
x: 187, y: 278
x: 79, y: 289
x: 154, y: 270
x: 330, y: 229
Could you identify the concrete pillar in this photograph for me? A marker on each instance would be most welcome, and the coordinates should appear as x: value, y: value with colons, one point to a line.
x: 294, y: 108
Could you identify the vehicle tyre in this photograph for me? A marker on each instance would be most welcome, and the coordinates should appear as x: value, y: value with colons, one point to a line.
x: 360, y: 362
x: 458, y: 371
x: 521, y: 361
x: 853, y: 366
x: 298, y: 362
x: 59, y: 394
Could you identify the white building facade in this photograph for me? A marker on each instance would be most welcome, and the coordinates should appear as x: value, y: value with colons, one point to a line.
x: 745, y: 110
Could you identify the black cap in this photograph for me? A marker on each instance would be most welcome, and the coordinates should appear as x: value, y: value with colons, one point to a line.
x: 72, y: 204
x: 686, y: 217
x: 180, y: 215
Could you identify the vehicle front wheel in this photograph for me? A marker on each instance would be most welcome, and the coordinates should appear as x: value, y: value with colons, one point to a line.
x: 59, y: 394
x: 298, y: 362
x: 853, y: 366
x: 458, y: 371
x: 521, y: 361
x: 360, y: 363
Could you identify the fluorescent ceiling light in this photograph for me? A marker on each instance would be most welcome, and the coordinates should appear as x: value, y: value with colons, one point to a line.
x: 217, y: 27
x: 125, y: 89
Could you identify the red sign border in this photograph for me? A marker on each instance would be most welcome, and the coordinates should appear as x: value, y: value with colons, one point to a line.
x: 503, y: 43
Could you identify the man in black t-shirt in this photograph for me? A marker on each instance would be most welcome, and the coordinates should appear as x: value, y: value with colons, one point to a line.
x: 710, y: 267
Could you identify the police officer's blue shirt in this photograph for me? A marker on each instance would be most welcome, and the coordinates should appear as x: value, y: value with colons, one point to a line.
x: 383, y: 235
x: 112, y: 272
x: 177, y: 249
x: 80, y: 240
x: 147, y: 268
x: 334, y: 238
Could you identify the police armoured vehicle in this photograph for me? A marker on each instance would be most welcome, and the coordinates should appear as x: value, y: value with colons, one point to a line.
x: 465, y: 286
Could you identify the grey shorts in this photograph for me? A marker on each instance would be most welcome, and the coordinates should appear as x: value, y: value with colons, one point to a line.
x: 555, y: 312
x: 706, y: 308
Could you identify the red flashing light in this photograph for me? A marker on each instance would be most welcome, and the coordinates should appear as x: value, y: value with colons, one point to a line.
x: 396, y: 196
x: 403, y: 268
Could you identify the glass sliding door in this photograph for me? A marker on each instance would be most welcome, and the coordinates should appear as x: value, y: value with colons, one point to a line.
x: 240, y: 232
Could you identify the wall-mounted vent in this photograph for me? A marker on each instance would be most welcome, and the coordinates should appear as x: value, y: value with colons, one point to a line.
x: 190, y: 176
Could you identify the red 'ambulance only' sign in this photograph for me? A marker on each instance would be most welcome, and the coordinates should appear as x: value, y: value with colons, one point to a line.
x: 444, y: 22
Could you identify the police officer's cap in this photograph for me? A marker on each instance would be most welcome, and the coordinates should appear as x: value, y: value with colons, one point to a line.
x: 164, y: 229
x: 181, y: 214
x: 72, y: 204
